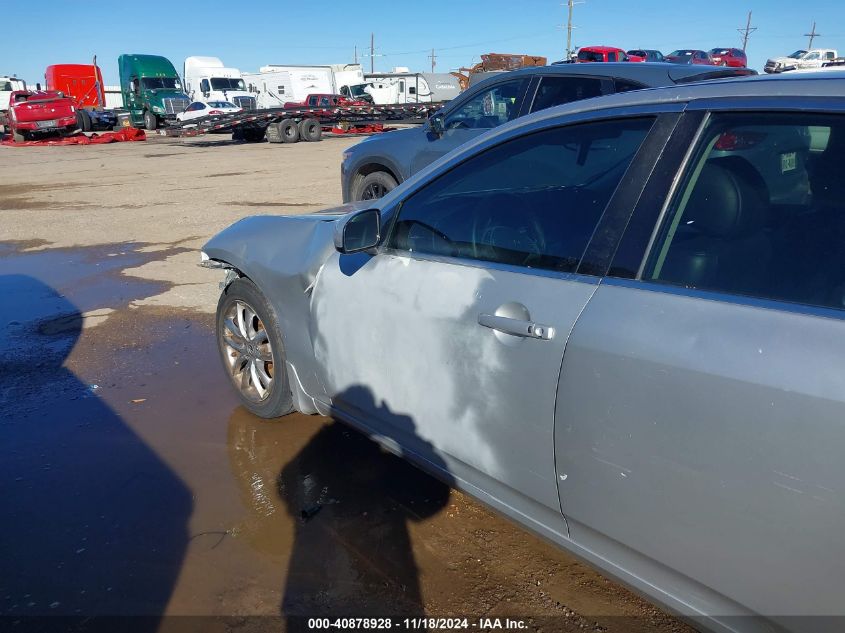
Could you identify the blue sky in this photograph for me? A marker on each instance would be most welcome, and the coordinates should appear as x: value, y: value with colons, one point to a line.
x: 250, y: 34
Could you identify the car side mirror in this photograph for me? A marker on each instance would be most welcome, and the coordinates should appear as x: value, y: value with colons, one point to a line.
x: 358, y: 231
x: 435, y: 123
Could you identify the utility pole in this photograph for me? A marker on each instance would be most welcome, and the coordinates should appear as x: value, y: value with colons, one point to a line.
x: 569, y: 27
x: 433, y: 59
x: 356, y: 53
x: 372, y: 53
x: 748, y: 30
x: 812, y: 35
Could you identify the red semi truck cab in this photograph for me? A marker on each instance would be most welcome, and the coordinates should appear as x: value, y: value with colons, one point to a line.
x: 81, y: 82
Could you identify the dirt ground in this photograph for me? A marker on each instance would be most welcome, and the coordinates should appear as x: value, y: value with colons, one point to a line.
x: 133, y: 482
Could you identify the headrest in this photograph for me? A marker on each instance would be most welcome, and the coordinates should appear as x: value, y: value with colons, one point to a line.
x: 826, y: 179
x: 730, y: 199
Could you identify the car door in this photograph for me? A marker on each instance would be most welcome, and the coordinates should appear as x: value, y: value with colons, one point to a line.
x: 449, y: 339
x: 699, y: 428
x: 484, y: 110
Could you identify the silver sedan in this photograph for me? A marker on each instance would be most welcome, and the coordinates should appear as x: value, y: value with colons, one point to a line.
x: 599, y: 320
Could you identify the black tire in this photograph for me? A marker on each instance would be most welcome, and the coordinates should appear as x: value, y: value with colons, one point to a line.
x: 83, y: 121
x: 18, y: 137
x: 274, y: 135
x: 310, y: 130
x: 278, y: 400
x: 150, y: 120
x: 252, y: 134
x: 289, y: 131
x: 374, y: 186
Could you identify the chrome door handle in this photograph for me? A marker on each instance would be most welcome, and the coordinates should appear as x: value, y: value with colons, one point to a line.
x: 517, y: 327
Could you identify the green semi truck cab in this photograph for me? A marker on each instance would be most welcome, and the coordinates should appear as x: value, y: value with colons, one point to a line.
x: 151, y: 88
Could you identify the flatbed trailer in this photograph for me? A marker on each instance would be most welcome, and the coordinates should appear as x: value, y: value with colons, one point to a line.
x: 292, y: 124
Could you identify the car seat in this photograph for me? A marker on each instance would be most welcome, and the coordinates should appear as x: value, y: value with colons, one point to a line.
x: 721, y: 241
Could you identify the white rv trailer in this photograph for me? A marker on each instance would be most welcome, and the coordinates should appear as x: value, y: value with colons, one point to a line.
x: 207, y: 79
x: 276, y: 84
x: 401, y: 86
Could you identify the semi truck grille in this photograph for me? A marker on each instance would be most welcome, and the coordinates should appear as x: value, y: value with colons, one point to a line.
x: 175, y: 105
x: 245, y: 103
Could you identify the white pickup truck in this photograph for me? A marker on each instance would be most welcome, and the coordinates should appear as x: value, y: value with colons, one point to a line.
x: 814, y: 58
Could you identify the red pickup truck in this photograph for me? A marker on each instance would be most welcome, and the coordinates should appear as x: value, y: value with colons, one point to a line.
x: 325, y: 101
x: 40, y: 113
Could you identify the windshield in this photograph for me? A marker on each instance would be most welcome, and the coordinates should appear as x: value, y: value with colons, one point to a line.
x: 590, y: 56
x: 221, y: 104
x: 358, y: 90
x: 221, y: 83
x: 682, y: 53
x: 158, y: 83
x: 720, y: 51
x: 797, y: 54
x: 6, y: 86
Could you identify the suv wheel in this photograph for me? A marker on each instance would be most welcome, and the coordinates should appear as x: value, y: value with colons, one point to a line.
x: 374, y: 186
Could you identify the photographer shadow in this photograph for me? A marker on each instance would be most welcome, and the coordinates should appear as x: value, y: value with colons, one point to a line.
x: 352, y: 505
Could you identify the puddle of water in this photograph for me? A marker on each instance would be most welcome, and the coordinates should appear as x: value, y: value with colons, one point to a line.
x: 89, y: 277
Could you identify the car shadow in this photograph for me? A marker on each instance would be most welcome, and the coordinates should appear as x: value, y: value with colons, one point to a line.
x: 95, y: 523
x: 351, y: 504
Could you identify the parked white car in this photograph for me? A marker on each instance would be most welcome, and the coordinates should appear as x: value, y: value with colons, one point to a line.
x: 199, y: 109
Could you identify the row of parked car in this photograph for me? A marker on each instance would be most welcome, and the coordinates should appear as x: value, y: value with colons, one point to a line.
x: 734, y: 57
x: 619, y: 321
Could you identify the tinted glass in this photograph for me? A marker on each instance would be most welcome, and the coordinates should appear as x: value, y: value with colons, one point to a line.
x: 160, y: 83
x: 489, y: 108
x: 761, y: 211
x: 624, y: 85
x: 533, y: 201
x: 557, y: 90
x: 590, y: 56
x: 221, y: 83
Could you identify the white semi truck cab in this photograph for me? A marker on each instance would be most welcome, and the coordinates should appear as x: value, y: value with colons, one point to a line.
x: 7, y: 86
x: 207, y: 79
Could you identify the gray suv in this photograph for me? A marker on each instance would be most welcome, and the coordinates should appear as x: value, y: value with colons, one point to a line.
x: 376, y: 165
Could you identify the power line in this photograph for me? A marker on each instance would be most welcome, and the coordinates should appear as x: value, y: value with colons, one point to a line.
x: 812, y: 35
x: 748, y: 30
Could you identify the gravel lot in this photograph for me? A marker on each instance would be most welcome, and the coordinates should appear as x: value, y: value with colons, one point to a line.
x: 136, y: 485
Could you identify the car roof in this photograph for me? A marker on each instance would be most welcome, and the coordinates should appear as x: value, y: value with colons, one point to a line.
x: 818, y: 85
x: 652, y: 74
x: 599, y: 49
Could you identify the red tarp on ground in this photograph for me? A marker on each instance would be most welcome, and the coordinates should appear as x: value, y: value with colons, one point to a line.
x: 126, y: 134
x: 375, y: 128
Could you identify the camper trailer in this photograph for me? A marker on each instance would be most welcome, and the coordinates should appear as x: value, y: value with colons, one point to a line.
x: 276, y: 84
x: 402, y: 86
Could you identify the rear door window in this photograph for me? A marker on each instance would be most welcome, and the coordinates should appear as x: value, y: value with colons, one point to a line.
x: 761, y: 211
x: 554, y: 91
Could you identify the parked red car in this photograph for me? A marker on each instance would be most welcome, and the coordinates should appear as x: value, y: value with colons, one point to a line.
x: 40, y: 113
x: 604, y: 54
x: 733, y: 57
x: 690, y: 56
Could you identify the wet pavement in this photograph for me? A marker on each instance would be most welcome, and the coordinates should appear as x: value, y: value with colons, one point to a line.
x: 133, y: 484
